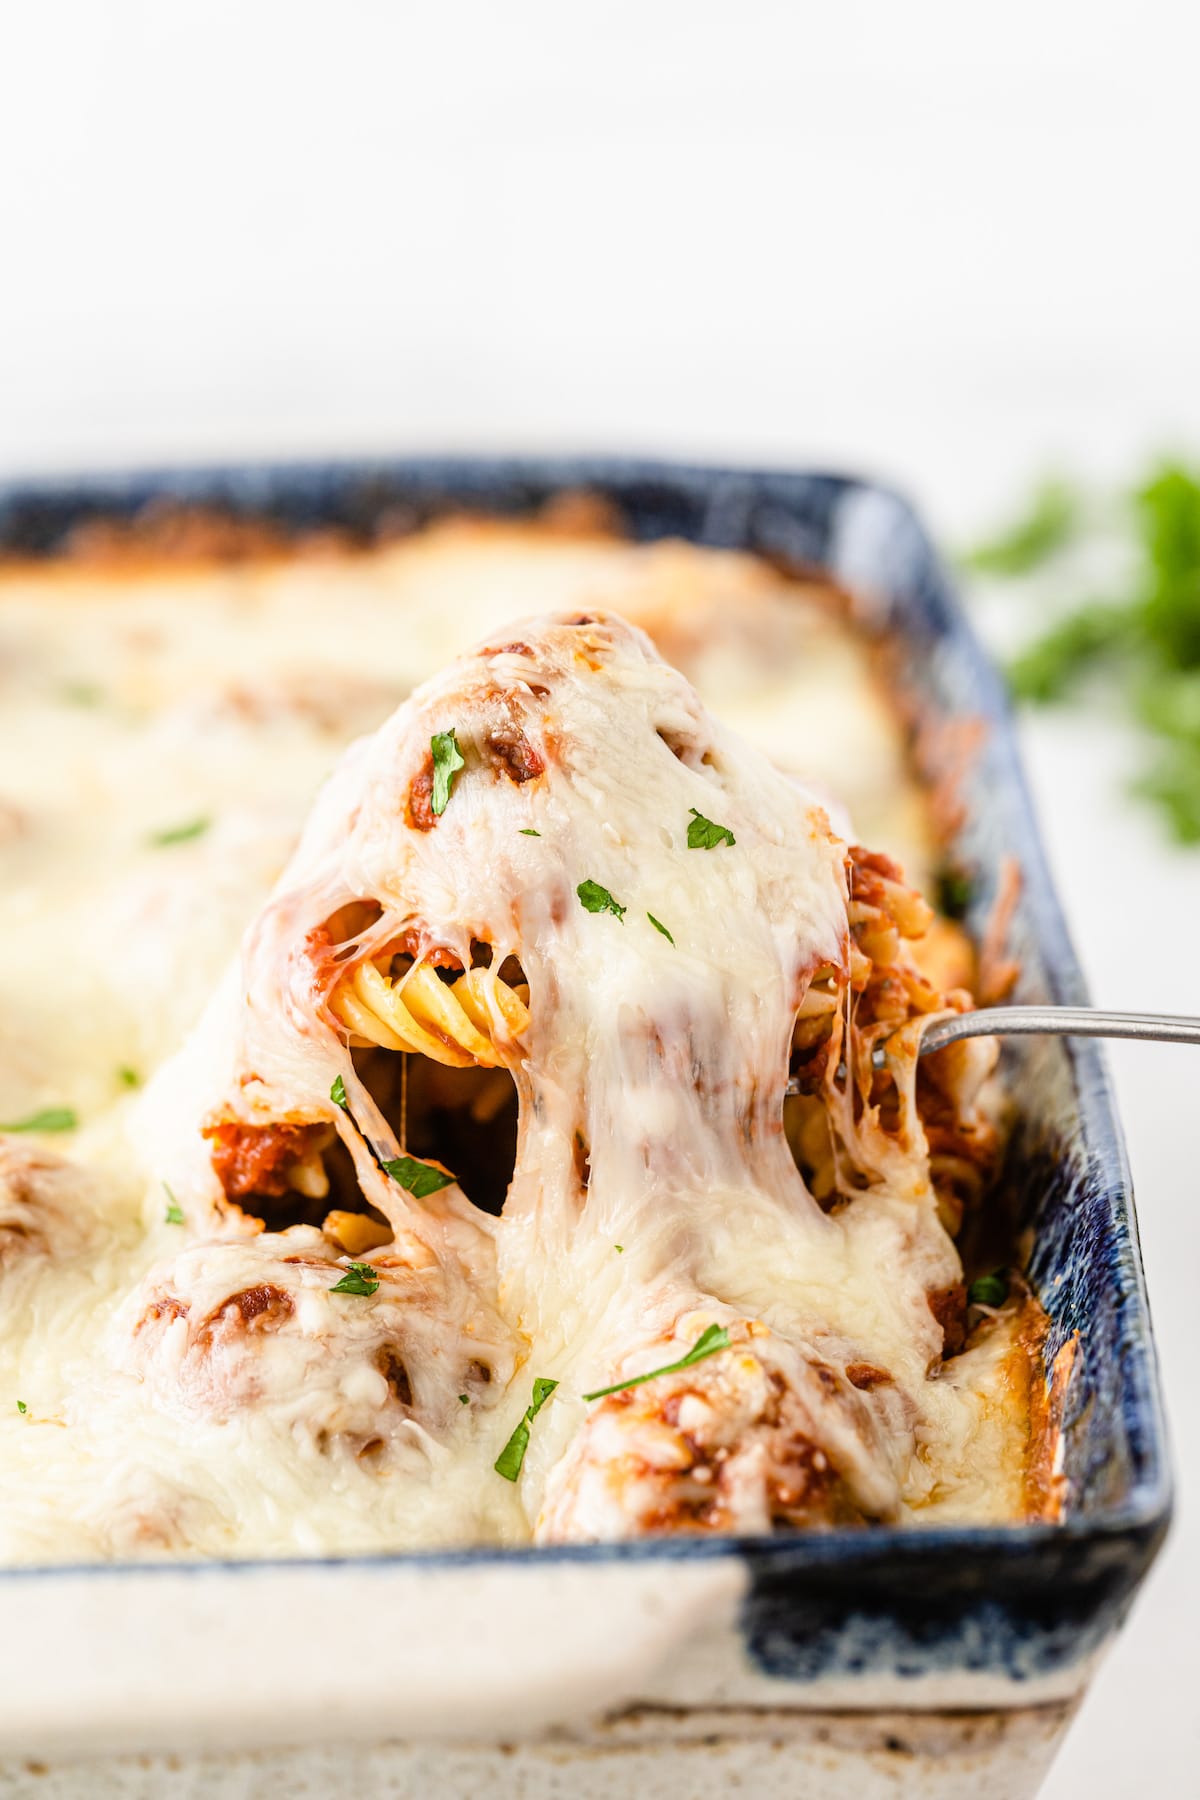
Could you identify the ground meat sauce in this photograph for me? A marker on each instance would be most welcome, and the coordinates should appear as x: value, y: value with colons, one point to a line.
x: 866, y: 1376
x: 949, y: 1307
x: 257, y: 1159
x: 253, y: 1303
x: 512, y: 751
x: 419, y: 811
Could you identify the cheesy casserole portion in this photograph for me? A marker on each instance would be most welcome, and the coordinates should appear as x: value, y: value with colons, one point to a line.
x: 394, y: 1147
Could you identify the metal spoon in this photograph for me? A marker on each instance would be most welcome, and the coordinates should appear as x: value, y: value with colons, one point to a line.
x: 1061, y: 1021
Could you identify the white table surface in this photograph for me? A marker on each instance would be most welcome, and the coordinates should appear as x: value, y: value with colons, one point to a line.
x: 942, y: 243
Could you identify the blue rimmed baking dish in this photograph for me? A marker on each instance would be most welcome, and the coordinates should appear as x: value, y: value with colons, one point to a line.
x: 905, y: 1658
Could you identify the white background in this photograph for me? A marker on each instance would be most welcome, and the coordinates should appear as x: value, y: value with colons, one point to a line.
x: 944, y: 243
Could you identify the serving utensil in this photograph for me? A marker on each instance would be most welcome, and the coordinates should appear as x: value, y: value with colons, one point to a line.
x: 1060, y: 1021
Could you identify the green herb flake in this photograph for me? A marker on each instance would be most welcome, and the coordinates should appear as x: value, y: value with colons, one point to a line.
x: 21, y: 1407
x: 128, y: 1077
x: 178, y: 834
x: 712, y: 1339
x: 528, y: 831
x: 174, y: 1212
x: 703, y: 834
x: 596, y: 899
x: 359, y: 1278
x: 337, y: 1094
x: 51, y: 1118
x: 511, y: 1459
x: 954, y: 891
x: 989, y: 1290
x: 659, y: 926
x: 447, y: 761
x: 464, y: 1399
x: 81, y: 693
x: 620, y: 1249
x: 417, y: 1178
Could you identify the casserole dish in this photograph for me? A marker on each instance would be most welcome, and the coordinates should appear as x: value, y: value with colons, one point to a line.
x: 845, y: 1663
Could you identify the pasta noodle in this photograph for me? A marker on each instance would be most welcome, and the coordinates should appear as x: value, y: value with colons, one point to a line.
x: 843, y: 1129
x: 479, y: 1019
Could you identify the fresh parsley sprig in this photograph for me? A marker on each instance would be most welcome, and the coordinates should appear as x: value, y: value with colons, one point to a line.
x: 511, y: 1459
x: 711, y: 1339
x: 1141, y: 640
x: 1051, y: 520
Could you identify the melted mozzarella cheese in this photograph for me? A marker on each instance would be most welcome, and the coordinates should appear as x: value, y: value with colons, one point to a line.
x: 220, y: 700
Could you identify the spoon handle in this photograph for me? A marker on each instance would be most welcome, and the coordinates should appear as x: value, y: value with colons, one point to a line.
x: 1061, y: 1021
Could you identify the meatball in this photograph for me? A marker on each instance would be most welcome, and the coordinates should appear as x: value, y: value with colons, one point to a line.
x: 262, y: 1324
x: 759, y: 1435
x: 40, y: 1202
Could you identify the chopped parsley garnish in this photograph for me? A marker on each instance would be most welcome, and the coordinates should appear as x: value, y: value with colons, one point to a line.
x: 703, y: 834
x: 596, y: 899
x: 712, y: 1339
x: 359, y: 1278
x: 954, y: 891
x: 417, y: 1178
x: 81, y: 693
x: 528, y: 831
x: 174, y: 1212
x: 464, y: 1399
x: 51, y: 1118
x: 620, y: 1249
x: 128, y: 1077
x: 337, y: 1093
x: 21, y: 1407
x: 989, y: 1290
x: 179, y: 834
x: 511, y: 1459
x: 659, y: 926
x: 447, y: 761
